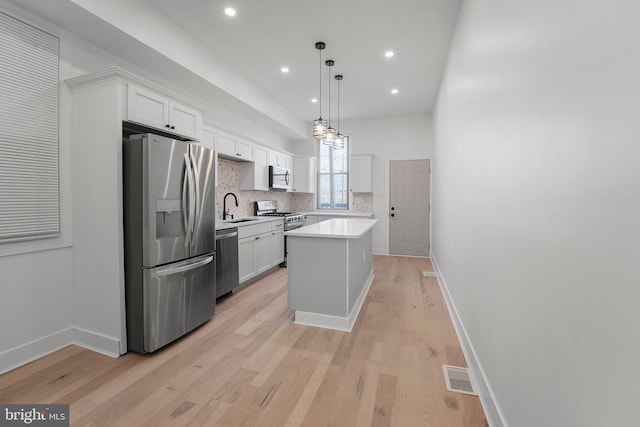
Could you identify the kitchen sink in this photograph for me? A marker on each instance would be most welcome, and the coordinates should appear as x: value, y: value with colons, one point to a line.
x: 235, y: 221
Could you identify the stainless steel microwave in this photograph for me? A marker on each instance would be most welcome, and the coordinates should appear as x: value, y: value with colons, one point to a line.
x: 279, y: 178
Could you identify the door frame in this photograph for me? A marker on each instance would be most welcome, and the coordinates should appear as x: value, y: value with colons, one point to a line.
x: 388, y: 203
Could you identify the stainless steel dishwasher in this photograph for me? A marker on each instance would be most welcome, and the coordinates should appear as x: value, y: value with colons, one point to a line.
x: 227, y: 274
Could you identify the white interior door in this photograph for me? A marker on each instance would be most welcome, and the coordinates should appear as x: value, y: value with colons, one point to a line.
x: 409, y: 207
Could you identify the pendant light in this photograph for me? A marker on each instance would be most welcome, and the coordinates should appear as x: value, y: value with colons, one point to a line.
x: 330, y: 137
x: 320, y: 125
x: 340, y: 138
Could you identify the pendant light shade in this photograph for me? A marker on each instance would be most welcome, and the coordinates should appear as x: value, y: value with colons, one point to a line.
x: 330, y: 139
x: 320, y: 125
x: 319, y: 128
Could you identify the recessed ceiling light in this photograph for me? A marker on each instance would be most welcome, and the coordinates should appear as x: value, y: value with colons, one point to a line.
x: 388, y: 54
x: 314, y: 100
x: 230, y: 11
x: 284, y: 69
x: 394, y: 91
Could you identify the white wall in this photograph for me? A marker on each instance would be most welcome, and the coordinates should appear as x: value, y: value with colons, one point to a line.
x: 36, y: 306
x: 404, y: 137
x: 537, y: 205
x: 44, y: 305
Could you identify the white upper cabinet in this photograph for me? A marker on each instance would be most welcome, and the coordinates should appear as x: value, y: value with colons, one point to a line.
x: 232, y: 147
x: 360, y: 170
x: 304, y: 174
x: 184, y: 120
x: 153, y: 109
x: 278, y: 159
x: 288, y: 162
x: 246, y: 150
x: 227, y: 144
x: 255, y: 175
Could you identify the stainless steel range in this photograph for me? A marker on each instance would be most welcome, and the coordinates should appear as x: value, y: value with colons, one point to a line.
x: 292, y: 220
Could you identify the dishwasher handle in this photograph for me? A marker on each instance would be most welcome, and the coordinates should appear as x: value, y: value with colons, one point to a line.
x: 226, y: 236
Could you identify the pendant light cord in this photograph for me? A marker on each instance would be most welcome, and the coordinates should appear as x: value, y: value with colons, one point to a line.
x: 329, y: 64
x: 320, y: 75
x: 338, y: 106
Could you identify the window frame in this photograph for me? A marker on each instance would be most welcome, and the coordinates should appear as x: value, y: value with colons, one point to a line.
x: 332, y: 175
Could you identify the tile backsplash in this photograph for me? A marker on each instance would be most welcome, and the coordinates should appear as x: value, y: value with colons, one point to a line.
x: 228, y: 182
x: 362, y: 202
x: 303, y: 202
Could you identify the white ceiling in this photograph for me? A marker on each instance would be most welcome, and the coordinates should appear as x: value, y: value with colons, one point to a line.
x: 268, y: 34
x: 234, y: 63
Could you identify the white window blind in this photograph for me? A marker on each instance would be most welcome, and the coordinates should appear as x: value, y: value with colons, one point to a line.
x: 29, y: 191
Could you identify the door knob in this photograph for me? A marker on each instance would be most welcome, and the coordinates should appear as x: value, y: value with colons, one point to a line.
x: 392, y: 215
x: 392, y: 208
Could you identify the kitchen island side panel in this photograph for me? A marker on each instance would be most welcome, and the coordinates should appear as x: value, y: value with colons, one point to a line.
x: 309, y: 291
x: 360, y: 265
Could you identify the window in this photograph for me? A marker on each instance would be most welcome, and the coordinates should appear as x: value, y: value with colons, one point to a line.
x: 333, y: 176
x: 29, y: 193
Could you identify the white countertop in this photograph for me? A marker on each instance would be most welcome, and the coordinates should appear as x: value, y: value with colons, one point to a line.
x: 337, y: 228
x: 338, y: 213
x: 222, y: 225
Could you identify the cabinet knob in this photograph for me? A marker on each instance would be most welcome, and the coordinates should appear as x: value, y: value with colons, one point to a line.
x: 167, y: 126
x: 257, y: 237
x: 239, y: 154
x: 173, y: 127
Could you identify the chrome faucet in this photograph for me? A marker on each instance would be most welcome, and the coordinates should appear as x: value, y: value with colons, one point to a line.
x: 225, y: 212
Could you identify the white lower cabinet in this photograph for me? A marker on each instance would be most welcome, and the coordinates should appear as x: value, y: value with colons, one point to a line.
x: 246, y: 258
x: 263, y: 252
x: 260, y: 247
x: 254, y: 255
x: 277, y: 247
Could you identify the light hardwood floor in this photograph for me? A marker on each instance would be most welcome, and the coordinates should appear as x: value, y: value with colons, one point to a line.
x: 251, y: 366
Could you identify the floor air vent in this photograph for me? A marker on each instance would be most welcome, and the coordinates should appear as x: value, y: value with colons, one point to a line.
x: 429, y: 274
x: 459, y: 380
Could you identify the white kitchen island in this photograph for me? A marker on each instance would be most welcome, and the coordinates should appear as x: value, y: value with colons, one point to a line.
x: 330, y: 269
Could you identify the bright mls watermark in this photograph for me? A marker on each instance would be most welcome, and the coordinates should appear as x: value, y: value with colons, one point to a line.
x: 34, y: 415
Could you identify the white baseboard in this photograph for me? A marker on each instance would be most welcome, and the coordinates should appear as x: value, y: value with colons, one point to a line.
x: 406, y: 256
x: 35, y: 349
x: 336, y: 322
x: 494, y: 415
x: 99, y: 343
x: 28, y: 352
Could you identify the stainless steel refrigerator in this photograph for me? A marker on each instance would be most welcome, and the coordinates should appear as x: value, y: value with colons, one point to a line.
x: 169, y: 234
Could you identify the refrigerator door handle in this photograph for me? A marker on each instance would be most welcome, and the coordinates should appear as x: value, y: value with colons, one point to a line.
x: 185, y: 220
x: 192, y: 200
x: 184, y: 267
x: 196, y: 180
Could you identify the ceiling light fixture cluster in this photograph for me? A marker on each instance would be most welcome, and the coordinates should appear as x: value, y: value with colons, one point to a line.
x: 389, y: 54
x: 322, y: 129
